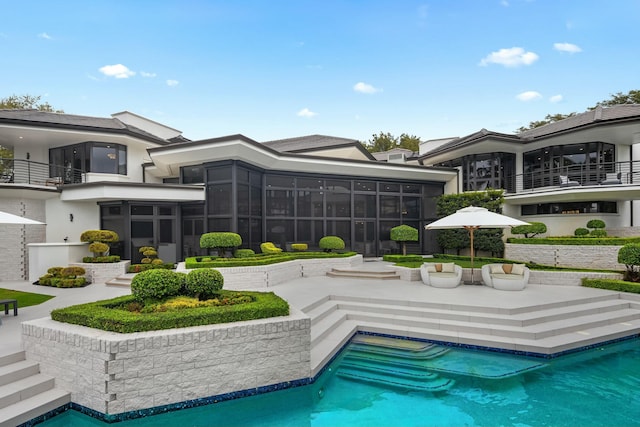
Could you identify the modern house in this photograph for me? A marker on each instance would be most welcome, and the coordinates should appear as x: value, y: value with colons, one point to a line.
x: 153, y: 186
x: 563, y: 174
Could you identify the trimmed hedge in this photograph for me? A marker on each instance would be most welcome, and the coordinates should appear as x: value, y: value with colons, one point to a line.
x: 101, y: 259
x: 137, y: 268
x: 109, y: 315
x: 104, y: 236
x: 612, y: 285
x: 301, y: 247
x: 156, y: 284
x: 329, y: 243
x: 259, y: 259
x: 244, y: 253
x: 403, y: 258
x: 203, y: 282
x: 608, y: 241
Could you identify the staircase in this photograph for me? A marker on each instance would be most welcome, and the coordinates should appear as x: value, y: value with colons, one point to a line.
x: 393, y: 362
x: 364, y: 274
x: 25, y: 393
x: 124, y: 280
x: 546, y: 328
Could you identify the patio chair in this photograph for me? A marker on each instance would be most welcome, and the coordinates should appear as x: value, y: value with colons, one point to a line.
x: 612, y: 179
x: 566, y: 182
x: 505, y: 277
x: 445, y: 275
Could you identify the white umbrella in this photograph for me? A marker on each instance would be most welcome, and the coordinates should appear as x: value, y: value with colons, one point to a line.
x: 7, y: 218
x: 471, y: 218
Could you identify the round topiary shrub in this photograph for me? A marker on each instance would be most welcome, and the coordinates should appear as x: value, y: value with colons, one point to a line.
x: 329, y: 243
x: 629, y: 255
x: 98, y: 248
x: 104, y: 236
x: 404, y: 233
x: 204, y: 282
x: 156, y: 284
x: 244, y: 253
x: 530, y: 230
x: 581, y: 232
x: 72, y: 272
x: 598, y: 232
x: 220, y: 241
x: 299, y: 247
x: 596, y: 223
x: 157, y: 261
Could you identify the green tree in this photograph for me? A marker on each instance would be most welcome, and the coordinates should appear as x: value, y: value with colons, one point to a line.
x: 26, y: 102
x: 410, y: 142
x: 381, y: 142
x: 403, y: 234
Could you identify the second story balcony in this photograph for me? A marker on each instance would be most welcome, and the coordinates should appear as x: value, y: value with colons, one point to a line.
x: 17, y: 171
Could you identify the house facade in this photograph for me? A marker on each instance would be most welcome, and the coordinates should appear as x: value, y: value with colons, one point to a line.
x: 562, y: 174
x: 155, y: 187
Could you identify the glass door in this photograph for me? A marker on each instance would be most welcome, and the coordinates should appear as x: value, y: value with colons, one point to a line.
x: 365, y: 238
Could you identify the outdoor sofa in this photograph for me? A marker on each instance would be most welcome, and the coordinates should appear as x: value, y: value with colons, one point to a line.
x: 506, y: 277
x: 441, y: 275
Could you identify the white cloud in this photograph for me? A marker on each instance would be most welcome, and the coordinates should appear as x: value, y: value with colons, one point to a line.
x: 172, y: 83
x: 529, y: 95
x: 118, y: 71
x: 512, y: 57
x: 365, y: 88
x: 567, y: 47
x: 305, y: 112
x: 44, y: 36
x: 555, y: 99
x: 145, y: 74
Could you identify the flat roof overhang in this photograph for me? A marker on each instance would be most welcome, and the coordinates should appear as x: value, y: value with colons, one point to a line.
x: 168, y: 160
x: 28, y: 192
x: 112, y: 191
x: 587, y: 193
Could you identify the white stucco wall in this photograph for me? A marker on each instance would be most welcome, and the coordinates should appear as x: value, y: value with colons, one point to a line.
x: 86, y: 216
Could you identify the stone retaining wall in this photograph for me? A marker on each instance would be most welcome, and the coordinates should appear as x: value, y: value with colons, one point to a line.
x: 115, y: 373
x: 236, y: 278
x: 577, y: 256
x: 100, y: 272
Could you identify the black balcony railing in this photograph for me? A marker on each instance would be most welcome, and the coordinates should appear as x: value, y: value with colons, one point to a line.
x: 17, y: 171
x: 623, y: 173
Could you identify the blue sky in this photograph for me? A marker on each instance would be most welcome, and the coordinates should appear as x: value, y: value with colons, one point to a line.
x: 284, y: 68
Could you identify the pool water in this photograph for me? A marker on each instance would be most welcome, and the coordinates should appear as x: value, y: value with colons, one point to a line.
x: 425, y: 385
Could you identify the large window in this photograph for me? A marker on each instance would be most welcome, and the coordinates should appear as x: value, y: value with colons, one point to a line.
x: 71, y: 161
x: 570, y: 208
x: 489, y: 170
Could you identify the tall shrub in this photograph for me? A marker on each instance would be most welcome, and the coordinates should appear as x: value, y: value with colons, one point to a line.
x: 221, y: 241
x: 629, y: 255
x: 403, y: 234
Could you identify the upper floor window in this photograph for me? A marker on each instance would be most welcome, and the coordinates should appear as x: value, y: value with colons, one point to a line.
x: 99, y: 157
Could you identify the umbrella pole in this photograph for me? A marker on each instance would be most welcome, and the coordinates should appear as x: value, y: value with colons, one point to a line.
x: 471, y: 229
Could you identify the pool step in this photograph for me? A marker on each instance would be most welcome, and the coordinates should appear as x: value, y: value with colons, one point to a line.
x: 379, y: 377
x: 25, y: 393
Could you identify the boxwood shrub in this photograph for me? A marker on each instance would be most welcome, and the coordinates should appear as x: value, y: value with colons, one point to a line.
x: 156, y: 284
x: 109, y: 315
x: 612, y: 285
x: 403, y: 258
x: 606, y: 241
x: 329, y: 243
x: 203, y: 282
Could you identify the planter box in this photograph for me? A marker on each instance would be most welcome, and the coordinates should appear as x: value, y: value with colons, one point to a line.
x: 97, y: 272
x: 115, y: 373
x: 238, y: 278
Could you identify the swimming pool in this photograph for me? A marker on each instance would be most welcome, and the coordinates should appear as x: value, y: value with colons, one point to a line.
x: 431, y: 385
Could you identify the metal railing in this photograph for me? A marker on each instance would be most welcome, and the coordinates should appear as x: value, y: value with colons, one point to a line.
x: 17, y: 171
x: 623, y: 173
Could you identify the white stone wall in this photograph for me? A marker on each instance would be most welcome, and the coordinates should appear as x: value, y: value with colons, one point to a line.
x: 577, y: 256
x: 115, y: 373
x: 14, y: 253
x: 100, y: 272
x: 237, y: 278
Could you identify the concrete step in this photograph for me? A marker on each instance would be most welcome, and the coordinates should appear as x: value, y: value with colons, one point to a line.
x: 17, y: 371
x: 124, y: 280
x: 545, y: 329
x: 364, y: 274
x: 32, y: 407
x: 25, y: 388
x: 12, y: 358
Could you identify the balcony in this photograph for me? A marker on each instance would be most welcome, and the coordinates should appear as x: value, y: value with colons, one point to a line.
x: 16, y: 171
x: 602, y: 175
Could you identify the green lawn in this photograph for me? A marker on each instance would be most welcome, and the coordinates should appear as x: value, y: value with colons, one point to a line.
x: 25, y: 299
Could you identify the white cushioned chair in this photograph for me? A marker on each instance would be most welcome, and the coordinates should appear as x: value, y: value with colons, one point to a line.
x: 445, y: 275
x: 506, y: 277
